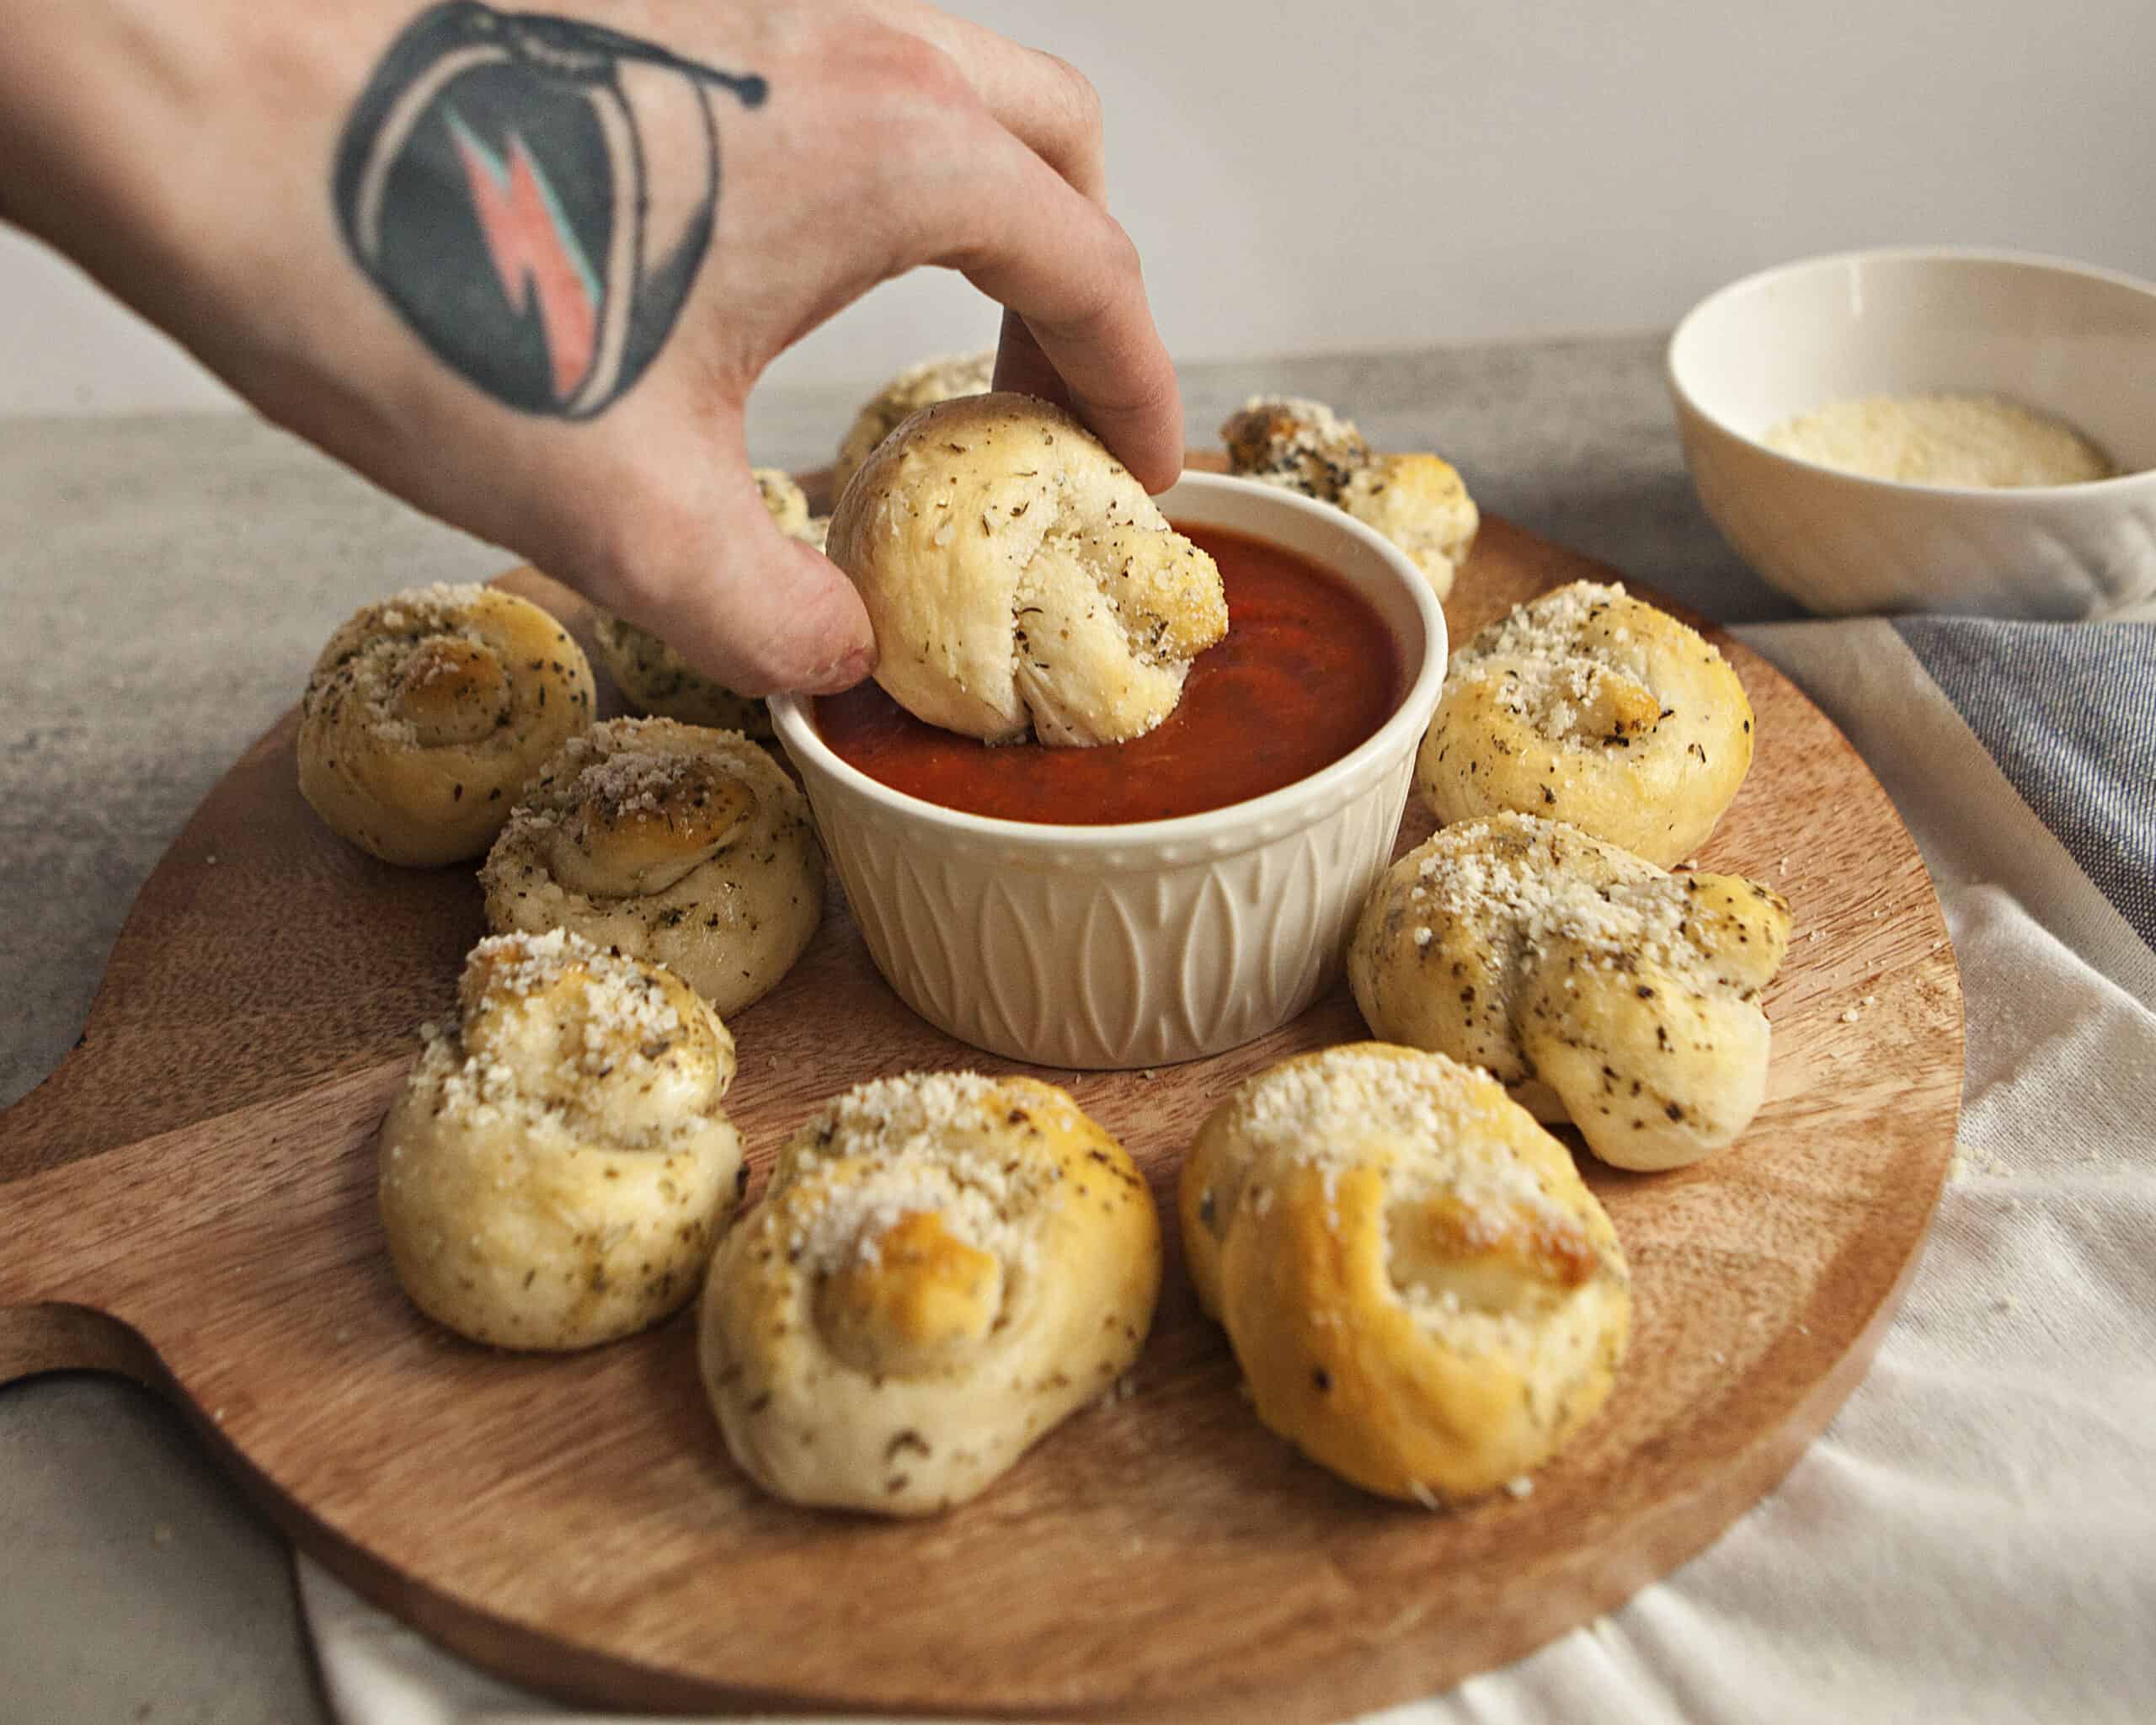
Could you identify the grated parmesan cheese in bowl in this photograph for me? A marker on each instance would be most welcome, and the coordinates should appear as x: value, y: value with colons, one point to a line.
x: 1986, y: 447
x: 1984, y: 441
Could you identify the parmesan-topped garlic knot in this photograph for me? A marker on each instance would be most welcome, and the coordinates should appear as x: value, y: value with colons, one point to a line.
x: 1593, y: 707
x: 1596, y: 987
x: 1422, y: 1293
x: 685, y: 847
x: 945, y: 1266
x: 1019, y: 580
x: 1416, y: 500
x: 556, y: 1168
x: 426, y: 713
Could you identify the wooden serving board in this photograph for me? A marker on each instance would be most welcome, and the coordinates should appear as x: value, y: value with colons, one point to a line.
x: 189, y: 1198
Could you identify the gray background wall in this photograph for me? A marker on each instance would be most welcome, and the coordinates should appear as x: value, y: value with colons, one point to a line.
x: 1362, y: 173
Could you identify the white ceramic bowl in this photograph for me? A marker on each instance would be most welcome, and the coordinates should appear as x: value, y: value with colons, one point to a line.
x: 1160, y: 941
x: 2076, y: 343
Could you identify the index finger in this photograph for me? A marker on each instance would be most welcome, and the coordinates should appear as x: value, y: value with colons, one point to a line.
x: 1044, y: 102
x: 1020, y: 365
x: 1068, y: 272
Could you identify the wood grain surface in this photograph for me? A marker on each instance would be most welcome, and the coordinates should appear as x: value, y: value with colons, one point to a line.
x: 189, y: 1198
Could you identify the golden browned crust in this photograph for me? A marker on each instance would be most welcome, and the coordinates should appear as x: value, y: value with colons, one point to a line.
x: 557, y: 1165
x: 944, y: 1267
x: 425, y: 714
x: 1591, y: 707
x: 1422, y: 1293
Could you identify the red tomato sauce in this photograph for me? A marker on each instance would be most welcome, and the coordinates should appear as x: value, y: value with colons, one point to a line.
x: 1306, y: 672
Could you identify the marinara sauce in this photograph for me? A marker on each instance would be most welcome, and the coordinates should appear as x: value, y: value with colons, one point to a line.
x: 1307, y: 671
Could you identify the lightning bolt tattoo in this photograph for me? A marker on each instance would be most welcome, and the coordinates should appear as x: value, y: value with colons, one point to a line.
x: 535, y: 196
x: 535, y: 251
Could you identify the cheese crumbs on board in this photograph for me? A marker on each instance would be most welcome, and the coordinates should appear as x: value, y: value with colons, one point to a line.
x: 1980, y: 441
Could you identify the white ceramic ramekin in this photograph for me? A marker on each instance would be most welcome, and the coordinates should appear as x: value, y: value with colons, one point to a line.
x: 2072, y: 341
x: 1161, y: 941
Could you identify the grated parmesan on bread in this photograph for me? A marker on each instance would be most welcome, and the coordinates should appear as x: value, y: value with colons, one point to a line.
x: 944, y: 1267
x: 685, y: 847
x: 1417, y: 501
x: 425, y: 714
x: 1589, y: 706
x: 1423, y: 1295
x: 1594, y: 986
x: 1293, y: 442
x: 559, y: 1162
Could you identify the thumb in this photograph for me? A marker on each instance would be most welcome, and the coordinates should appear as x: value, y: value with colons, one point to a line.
x: 747, y: 604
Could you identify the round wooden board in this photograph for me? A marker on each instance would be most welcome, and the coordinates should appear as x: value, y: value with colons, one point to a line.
x: 190, y: 1199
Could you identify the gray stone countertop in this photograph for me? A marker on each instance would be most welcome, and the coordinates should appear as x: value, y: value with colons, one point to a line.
x: 166, y: 583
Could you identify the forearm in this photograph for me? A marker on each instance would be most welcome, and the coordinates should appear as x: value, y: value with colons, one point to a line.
x: 175, y: 150
x: 82, y: 88
x: 523, y: 268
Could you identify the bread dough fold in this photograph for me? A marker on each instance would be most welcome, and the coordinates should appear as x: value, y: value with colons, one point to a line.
x: 1020, y: 580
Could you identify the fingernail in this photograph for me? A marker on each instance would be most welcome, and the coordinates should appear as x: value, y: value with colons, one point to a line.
x: 841, y: 673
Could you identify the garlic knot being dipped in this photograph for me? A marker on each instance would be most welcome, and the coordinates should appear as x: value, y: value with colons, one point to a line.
x: 944, y: 1267
x: 1020, y: 580
x: 685, y: 847
x: 425, y: 714
x: 945, y: 378
x: 558, y: 1163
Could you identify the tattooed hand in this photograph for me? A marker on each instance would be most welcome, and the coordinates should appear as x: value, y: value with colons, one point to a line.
x: 523, y: 270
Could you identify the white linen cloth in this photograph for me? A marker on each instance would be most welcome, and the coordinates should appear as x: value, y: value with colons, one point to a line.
x: 1974, y: 1537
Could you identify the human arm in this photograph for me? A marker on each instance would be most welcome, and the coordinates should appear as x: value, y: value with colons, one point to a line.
x: 459, y: 250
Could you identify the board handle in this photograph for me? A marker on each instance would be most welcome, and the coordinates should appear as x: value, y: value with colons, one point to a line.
x: 65, y: 1218
x: 102, y: 1251
x: 56, y: 1335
